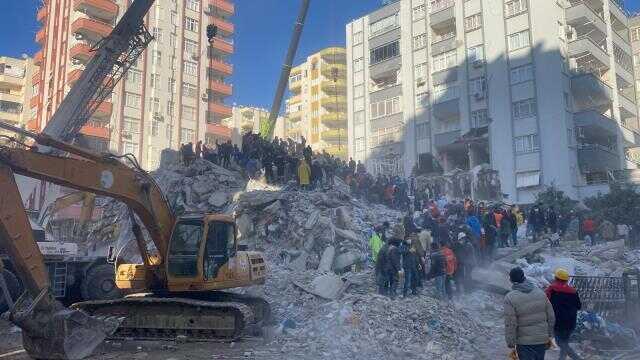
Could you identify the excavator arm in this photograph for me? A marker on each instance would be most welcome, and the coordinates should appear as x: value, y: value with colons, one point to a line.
x: 63, y: 202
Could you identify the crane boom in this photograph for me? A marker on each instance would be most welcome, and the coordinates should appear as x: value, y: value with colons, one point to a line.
x: 114, y: 56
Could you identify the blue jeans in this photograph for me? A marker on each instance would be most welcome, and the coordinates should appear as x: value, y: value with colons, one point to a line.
x: 514, y: 236
x: 531, y: 352
x: 440, y: 282
x: 409, y: 279
x: 562, y: 339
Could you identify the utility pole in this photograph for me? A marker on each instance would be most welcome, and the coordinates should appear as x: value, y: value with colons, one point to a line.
x: 286, y: 69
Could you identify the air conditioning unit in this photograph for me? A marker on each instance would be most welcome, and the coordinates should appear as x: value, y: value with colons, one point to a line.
x: 478, y: 96
x: 477, y: 63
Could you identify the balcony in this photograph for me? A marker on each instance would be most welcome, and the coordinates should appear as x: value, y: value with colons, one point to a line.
x: 91, y: 29
x: 35, y: 101
x: 9, y: 117
x: 295, y: 116
x: 587, y: 50
x: 589, y: 87
x: 42, y: 14
x: 11, y: 81
x: 35, y: 79
x: 73, y: 76
x: 444, y: 44
x: 221, y: 67
x: 335, y: 136
x: 446, y: 139
x: 221, y: 88
x: 595, y: 157
x: 104, y: 110
x: 96, y: 129
x: 594, y: 124
x: 624, y: 75
x: 295, y: 86
x: 223, y: 6
x: 628, y: 108
x: 586, y: 20
x: 334, y: 103
x: 218, y: 130
x: 41, y: 36
x: 334, y: 70
x: 337, y: 150
x: 82, y: 52
x: 336, y: 120
x: 446, y: 103
x: 219, y: 109
x: 622, y: 43
x: 442, y: 13
x: 225, y: 28
x: 617, y: 12
x: 37, y: 58
x: 334, y: 87
x: 222, y: 46
x: 11, y: 98
x: 334, y: 55
x: 294, y: 99
x: 102, y: 9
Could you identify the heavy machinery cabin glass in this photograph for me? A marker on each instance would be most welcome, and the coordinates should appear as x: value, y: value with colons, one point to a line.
x: 185, y: 245
x: 220, y: 244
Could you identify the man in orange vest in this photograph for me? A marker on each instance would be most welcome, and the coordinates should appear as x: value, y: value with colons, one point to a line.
x: 451, y: 264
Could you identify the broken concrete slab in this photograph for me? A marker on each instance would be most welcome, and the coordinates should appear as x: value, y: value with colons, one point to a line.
x: 343, y: 218
x: 299, y: 263
x: 527, y: 250
x: 344, y: 261
x: 327, y: 286
x: 492, y: 280
x: 218, y: 199
x: 312, y: 220
x: 326, y: 260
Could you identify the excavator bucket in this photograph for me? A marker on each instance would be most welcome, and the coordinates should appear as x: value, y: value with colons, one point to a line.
x: 51, y: 331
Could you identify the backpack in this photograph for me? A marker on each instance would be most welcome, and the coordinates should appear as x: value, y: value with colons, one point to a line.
x: 451, y: 263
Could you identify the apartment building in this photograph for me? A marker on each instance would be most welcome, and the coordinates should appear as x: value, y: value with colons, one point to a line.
x: 316, y: 109
x: 539, y: 91
x: 173, y: 94
x: 634, y: 29
x: 15, y: 91
x: 246, y: 119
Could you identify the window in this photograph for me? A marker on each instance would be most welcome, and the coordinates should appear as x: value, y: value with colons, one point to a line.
x: 422, y: 130
x: 174, y: 18
x: 129, y: 148
x: 189, y: 90
x: 420, y: 71
x: 419, y: 41
x: 155, y: 127
x: 524, y: 108
x: 358, y: 91
x: 156, y: 57
x: 418, y: 12
x: 473, y: 22
x: 385, y: 107
x: 186, y: 135
x: 567, y: 101
x: 295, y: 78
x: 193, y: 5
x: 515, y: 7
x: 527, y: 144
x: 519, y: 40
x: 34, y: 112
x: 360, y: 144
x: 191, y: 24
x: 385, y: 52
x: 173, y: 40
x: 131, y: 125
x: 134, y: 77
x: 358, y: 104
x: 155, y: 81
x: 476, y: 54
x: 384, y: 24
x: 169, y: 108
x: 521, y: 74
x: 171, y: 84
x: 358, y: 118
x: 157, y: 34
x: 528, y: 179
x: 188, y: 113
x: 35, y: 89
x: 477, y: 87
x: 636, y: 62
x: 132, y: 100
x: 358, y: 38
x: 479, y: 118
x: 422, y: 99
x: 154, y: 104
x: 358, y: 64
x: 445, y: 61
x: 190, y: 68
x: 190, y: 47
x: 635, y: 34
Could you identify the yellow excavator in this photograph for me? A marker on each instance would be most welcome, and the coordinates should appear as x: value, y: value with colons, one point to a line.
x: 176, y: 290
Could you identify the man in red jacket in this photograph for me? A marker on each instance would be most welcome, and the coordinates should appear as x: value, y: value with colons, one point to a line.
x: 566, y: 303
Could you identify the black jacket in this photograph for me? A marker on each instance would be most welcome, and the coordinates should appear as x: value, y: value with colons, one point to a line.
x: 566, y: 303
x: 437, y: 265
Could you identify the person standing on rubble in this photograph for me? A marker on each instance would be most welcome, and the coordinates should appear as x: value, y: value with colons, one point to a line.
x: 304, y: 174
x: 409, y: 267
x: 382, y: 277
x: 529, y: 318
x: 375, y: 243
x: 394, y: 262
x: 466, y: 259
x: 437, y: 271
x: 566, y: 302
x: 451, y: 265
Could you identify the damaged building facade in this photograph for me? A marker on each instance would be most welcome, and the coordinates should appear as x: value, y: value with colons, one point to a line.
x: 539, y: 95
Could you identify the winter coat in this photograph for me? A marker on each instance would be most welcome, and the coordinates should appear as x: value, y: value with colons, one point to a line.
x: 304, y: 173
x: 528, y: 315
x: 566, y: 303
x: 375, y: 244
x: 393, y: 264
x: 464, y: 252
x: 382, y: 259
x: 475, y: 226
x: 438, y: 266
x: 409, y: 259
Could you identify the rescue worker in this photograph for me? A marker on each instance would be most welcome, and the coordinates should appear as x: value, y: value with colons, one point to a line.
x: 437, y: 271
x: 304, y: 174
x: 566, y: 303
x: 381, y: 269
x: 394, y: 263
x: 375, y: 243
x: 451, y: 264
x: 465, y: 256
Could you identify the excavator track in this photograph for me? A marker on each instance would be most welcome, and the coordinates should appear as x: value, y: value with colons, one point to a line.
x: 165, y: 318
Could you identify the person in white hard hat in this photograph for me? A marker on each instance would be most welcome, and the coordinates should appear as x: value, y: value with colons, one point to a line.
x: 465, y: 253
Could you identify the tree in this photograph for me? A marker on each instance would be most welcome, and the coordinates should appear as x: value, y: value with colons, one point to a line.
x: 620, y: 206
x: 552, y: 197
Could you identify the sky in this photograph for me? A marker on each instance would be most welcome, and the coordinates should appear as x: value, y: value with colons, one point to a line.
x: 263, y: 30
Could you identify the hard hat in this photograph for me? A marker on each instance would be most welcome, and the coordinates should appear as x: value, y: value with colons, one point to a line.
x: 461, y: 235
x: 562, y: 274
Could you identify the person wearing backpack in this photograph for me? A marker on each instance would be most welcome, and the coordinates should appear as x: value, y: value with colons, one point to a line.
x: 437, y: 270
x: 451, y: 265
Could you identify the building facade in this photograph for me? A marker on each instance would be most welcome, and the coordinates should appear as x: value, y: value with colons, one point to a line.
x: 173, y: 94
x: 246, y: 119
x: 15, y: 91
x: 541, y: 93
x: 316, y: 109
x: 634, y: 29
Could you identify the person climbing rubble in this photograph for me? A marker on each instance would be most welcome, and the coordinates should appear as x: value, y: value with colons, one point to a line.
x: 529, y: 318
x: 566, y: 302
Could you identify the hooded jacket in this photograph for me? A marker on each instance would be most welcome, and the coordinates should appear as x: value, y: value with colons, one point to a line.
x: 566, y: 303
x: 438, y: 267
x: 528, y: 315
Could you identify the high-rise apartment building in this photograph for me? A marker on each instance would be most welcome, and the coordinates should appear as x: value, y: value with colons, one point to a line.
x: 246, y: 119
x: 317, y: 107
x: 15, y: 91
x: 634, y: 29
x: 539, y: 91
x: 173, y: 94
